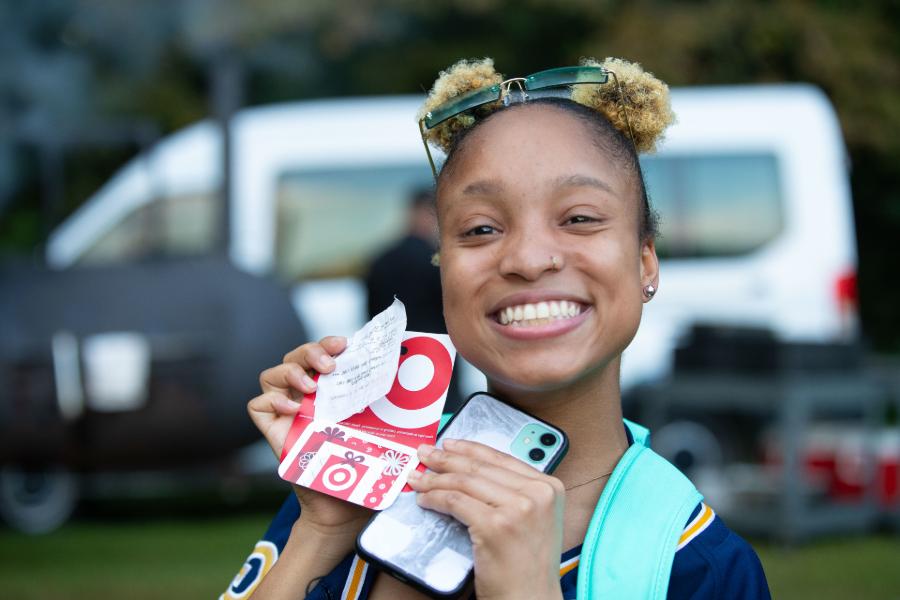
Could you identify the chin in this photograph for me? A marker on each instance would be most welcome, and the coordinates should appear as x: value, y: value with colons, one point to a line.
x: 537, y: 379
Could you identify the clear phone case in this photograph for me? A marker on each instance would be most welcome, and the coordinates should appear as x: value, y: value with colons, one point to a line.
x: 430, y: 550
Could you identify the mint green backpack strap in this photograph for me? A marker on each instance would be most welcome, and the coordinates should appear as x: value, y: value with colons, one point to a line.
x: 632, y: 538
x: 444, y: 418
x: 639, y: 433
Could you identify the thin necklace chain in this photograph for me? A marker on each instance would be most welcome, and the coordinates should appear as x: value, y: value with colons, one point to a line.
x: 572, y: 487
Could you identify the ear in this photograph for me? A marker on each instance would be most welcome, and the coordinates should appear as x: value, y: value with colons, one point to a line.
x: 649, y: 265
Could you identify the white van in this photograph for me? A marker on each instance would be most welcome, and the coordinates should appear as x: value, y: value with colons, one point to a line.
x: 751, y: 185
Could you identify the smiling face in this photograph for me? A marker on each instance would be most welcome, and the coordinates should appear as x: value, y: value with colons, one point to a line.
x: 541, y: 262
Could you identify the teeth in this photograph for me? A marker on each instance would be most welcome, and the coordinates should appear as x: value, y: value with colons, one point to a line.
x: 540, y: 313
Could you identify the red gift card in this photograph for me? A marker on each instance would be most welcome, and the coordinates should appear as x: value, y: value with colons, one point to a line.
x: 366, y: 457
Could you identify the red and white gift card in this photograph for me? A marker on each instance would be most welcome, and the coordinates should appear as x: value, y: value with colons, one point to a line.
x: 366, y: 454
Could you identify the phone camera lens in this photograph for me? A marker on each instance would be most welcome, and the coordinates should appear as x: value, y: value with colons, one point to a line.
x: 548, y: 439
x: 536, y: 454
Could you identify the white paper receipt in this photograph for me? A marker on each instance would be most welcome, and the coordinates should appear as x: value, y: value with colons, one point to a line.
x: 365, y: 371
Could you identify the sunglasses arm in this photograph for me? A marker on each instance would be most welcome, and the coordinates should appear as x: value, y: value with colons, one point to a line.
x: 427, y: 149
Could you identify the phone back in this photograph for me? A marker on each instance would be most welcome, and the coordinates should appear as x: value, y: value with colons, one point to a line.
x: 428, y: 549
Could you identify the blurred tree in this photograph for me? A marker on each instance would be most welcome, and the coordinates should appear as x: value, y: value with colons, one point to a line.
x: 69, y: 60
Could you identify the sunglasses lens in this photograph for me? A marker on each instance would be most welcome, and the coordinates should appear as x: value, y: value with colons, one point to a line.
x: 461, y: 104
x: 566, y: 76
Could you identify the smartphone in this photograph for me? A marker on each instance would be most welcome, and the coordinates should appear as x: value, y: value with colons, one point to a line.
x: 432, y: 551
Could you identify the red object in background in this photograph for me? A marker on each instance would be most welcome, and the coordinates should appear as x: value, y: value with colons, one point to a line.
x: 846, y: 290
x: 834, y: 459
x: 888, y: 477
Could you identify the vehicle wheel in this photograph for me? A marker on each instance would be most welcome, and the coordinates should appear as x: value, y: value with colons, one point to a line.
x: 37, y: 501
x: 688, y: 445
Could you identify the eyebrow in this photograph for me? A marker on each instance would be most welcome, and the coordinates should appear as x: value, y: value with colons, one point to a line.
x: 485, y: 187
x: 583, y: 180
x: 490, y: 187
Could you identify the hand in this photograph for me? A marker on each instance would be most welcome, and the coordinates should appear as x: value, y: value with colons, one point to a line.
x: 273, y: 412
x: 514, y: 514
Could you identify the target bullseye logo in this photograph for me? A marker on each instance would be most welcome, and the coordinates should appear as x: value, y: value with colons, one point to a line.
x: 422, y: 380
x: 339, y: 477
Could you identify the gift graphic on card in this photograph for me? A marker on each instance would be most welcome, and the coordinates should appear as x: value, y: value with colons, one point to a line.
x: 355, y: 438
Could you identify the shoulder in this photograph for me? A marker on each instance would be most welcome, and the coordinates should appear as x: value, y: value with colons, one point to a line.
x: 714, y: 562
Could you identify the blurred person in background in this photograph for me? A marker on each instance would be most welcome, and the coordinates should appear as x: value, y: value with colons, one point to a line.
x: 405, y: 270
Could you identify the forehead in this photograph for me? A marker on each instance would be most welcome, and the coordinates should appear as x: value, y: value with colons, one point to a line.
x: 529, y: 147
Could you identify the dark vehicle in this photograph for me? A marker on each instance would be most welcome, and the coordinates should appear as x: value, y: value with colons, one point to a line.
x: 127, y: 369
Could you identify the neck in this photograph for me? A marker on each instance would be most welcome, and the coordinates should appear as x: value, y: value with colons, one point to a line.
x: 589, y: 411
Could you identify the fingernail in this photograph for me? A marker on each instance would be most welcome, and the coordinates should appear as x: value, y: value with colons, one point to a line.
x: 326, y: 362
x: 426, y: 450
x: 414, y: 475
x: 309, y: 382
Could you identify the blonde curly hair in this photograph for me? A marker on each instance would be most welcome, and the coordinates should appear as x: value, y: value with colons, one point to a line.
x: 649, y: 111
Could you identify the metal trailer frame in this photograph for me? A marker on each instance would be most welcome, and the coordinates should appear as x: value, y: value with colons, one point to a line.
x: 793, y: 400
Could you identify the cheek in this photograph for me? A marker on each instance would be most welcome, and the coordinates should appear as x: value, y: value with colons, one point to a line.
x: 461, y: 281
x: 614, y: 264
x: 614, y: 269
x: 456, y: 285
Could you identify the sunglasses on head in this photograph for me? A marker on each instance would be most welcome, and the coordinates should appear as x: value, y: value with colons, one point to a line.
x: 505, y: 91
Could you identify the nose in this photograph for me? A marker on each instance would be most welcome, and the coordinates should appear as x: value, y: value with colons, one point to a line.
x: 530, y: 254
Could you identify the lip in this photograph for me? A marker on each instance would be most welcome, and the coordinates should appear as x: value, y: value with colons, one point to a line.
x: 535, y: 296
x: 536, y: 332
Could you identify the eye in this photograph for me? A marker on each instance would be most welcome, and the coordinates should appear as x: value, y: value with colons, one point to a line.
x: 480, y: 230
x: 578, y: 219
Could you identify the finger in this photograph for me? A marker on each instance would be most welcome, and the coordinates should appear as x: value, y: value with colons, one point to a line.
x: 446, y: 462
x: 480, y: 487
x: 463, y: 508
x: 334, y: 344
x: 311, y: 356
x: 272, y: 403
x: 282, y: 378
x: 481, y: 453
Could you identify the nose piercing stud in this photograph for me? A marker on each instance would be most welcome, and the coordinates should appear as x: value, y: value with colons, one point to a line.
x: 554, y: 262
x: 649, y: 291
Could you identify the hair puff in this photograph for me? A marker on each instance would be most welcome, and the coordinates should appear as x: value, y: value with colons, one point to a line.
x: 646, y: 101
x: 464, y: 76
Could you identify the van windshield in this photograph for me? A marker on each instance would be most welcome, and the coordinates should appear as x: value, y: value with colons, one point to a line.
x: 332, y: 222
x: 714, y: 205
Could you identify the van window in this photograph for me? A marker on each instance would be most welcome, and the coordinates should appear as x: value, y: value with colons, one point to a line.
x: 715, y: 204
x: 175, y: 226
x: 332, y: 223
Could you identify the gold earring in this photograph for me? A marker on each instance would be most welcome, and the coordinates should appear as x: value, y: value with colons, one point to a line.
x: 554, y: 262
x: 436, y: 259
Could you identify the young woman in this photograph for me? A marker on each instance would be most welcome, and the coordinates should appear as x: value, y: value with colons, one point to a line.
x: 547, y: 257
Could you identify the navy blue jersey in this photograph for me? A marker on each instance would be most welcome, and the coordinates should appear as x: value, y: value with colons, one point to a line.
x: 711, y: 562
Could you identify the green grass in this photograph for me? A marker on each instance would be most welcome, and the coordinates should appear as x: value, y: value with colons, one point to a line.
x: 196, y: 558
x: 137, y: 561
x: 855, y: 568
